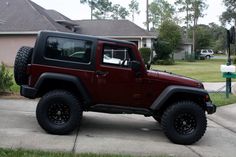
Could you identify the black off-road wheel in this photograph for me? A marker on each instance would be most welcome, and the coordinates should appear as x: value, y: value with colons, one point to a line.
x: 22, y: 60
x: 59, y: 112
x: 184, y: 122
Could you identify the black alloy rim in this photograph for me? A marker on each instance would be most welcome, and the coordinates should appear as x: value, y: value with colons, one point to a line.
x: 59, y: 113
x: 185, y: 123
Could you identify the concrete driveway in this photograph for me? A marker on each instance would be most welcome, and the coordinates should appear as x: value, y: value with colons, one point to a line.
x: 117, y: 134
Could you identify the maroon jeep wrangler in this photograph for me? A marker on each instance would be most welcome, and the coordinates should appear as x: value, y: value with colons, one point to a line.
x: 75, y: 73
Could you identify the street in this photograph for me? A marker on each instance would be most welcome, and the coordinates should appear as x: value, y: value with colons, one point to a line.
x: 116, y: 134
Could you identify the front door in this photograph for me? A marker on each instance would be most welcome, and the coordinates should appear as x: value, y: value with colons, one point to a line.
x: 115, y: 80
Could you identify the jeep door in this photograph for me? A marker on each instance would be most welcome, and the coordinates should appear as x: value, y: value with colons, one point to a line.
x: 115, y: 81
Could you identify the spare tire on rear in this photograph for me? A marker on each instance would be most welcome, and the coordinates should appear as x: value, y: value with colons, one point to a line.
x: 23, y: 58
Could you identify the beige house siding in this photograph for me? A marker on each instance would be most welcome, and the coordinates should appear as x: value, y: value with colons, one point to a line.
x: 10, y: 44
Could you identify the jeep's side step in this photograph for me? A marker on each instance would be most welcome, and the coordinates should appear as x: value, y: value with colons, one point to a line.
x: 120, y: 109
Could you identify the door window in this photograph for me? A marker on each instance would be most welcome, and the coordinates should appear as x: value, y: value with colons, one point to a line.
x: 117, y: 55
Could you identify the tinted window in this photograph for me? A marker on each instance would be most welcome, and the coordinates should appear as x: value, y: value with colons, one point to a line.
x: 68, y: 49
x: 117, y: 55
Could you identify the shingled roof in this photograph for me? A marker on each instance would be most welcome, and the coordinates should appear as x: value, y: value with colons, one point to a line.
x: 26, y: 16
x: 57, y: 16
x: 111, y: 28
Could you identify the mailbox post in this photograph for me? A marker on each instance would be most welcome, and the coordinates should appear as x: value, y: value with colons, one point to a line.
x: 228, y: 74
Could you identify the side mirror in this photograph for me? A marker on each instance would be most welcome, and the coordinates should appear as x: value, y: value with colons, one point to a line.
x: 135, y: 66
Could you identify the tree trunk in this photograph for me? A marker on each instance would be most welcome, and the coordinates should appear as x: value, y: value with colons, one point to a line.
x: 187, y: 20
x: 147, y: 16
x: 193, y: 52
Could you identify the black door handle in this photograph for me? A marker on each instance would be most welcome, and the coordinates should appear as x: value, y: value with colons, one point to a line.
x: 99, y: 72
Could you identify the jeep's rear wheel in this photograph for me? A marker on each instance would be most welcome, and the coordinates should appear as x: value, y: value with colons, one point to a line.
x: 22, y: 60
x: 184, y: 122
x: 59, y: 112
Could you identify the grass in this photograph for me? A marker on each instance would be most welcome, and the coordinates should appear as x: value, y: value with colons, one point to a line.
x: 220, y: 99
x: 203, y: 70
x: 32, y: 153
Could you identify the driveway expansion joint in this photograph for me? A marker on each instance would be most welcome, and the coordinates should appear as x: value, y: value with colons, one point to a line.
x: 192, y: 150
x: 75, y: 141
x: 227, y: 128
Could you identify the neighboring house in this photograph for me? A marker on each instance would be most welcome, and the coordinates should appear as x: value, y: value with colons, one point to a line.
x: 118, y: 29
x: 21, y: 20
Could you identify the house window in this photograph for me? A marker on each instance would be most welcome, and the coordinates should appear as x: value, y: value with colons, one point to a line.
x: 68, y: 49
x: 117, y: 55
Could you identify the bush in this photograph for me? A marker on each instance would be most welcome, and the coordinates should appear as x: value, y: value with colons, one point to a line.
x: 146, y: 54
x: 162, y: 49
x: 6, y: 79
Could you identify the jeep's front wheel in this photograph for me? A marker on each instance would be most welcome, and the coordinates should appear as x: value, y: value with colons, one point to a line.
x: 59, y: 112
x: 184, y: 122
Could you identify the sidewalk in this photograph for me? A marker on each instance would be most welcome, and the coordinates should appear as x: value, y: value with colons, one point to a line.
x: 226, y: 117
x: 216, y: 86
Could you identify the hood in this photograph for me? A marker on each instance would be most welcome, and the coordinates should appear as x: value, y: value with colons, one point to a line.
x: 174, y: 79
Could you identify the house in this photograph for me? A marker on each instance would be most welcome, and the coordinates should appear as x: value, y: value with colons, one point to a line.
x: 117, y: 29
x: 21, y: 20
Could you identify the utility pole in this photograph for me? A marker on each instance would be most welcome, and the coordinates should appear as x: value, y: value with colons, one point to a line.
x: 92, y: 7
x: 147, y: 16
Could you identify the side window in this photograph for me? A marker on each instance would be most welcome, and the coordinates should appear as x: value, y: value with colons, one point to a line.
x: 117, y: 55
x: 68, y: 49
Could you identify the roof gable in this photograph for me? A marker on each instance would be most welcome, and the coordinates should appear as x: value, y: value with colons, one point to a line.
x: 25, y: 16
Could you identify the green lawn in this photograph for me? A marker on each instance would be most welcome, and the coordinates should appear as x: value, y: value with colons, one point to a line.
x: 220, y: 99
x: 26, y: 153
x: 203, y: 70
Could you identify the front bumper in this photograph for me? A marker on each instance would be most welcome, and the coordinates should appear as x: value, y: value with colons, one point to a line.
x: 210, y: 108
x: 28, y: 92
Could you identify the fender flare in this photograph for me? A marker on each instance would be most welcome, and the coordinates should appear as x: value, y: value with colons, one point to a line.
x: 170, y: 90
x: 69, y: 78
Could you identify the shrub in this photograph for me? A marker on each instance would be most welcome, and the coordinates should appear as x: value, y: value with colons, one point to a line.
x: 6, y: 79
x: 146, y: 54
x: 162, y: 49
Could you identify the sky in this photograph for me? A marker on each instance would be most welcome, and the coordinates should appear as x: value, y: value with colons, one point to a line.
x: 76, y: 11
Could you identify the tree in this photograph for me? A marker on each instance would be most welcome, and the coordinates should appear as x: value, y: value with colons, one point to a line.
x: 134, y: 8
x: 203, y: 37
x: 185, y: 6
x: 194, y: 10
x: 91, y: 4
x: 171, y: 33
x: 218, y: 34
x: 104, y: 9
x: 230, y: 14
x: 160, y: 10
x: 119, y: 12
x: 198, y: 7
